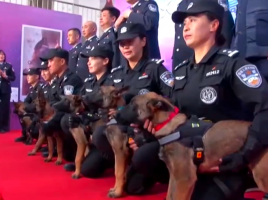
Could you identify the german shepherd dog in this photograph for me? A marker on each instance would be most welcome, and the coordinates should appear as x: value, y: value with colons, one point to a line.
x: 218, y: 141
x: 46, y: 113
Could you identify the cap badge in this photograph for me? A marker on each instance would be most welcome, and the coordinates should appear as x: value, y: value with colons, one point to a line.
x: 190, y: 5
x: 42, y: 63
x: 123, y: 30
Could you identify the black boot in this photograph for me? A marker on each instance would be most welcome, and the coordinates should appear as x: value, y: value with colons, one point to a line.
x: 69, y: 167
x: 21, y: 139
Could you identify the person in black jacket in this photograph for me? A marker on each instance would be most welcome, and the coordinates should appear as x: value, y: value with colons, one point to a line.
x: 7, y: 75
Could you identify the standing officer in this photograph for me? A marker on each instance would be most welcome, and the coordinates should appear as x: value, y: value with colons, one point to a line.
x: 181, y: 51
x: 33, y: 79
x: 73, y: 37
x: 144, y: 12
x: 7, y: 75
x: 89, y: 31
x: 108, y: 17
x: 211, y: 85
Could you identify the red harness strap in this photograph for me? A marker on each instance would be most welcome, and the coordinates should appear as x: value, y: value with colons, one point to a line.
x: 171, y: 116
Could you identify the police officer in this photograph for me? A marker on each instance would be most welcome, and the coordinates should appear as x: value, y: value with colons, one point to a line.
x: 252, y: 25
x: 33, y: 79
x: 142, y: 75
x: 73, y: 37
x: 212, y: 84
x: 107, y: 19
x: 99, y: 65
x: 89, y: 31
x: 7, y: 75
x: 67, y: 83
x: 146, y: 13
x: 181, y: 51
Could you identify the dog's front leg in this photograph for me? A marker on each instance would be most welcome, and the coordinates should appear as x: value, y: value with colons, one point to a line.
x: 50, y: 145
x: 118, y: 141
x: 59, y: 148
x: 81, y: 141
x: 39, y: 143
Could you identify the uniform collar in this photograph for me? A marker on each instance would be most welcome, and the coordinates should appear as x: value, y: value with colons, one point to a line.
x: 107, y: 30
x: 64, y: 75
x: 214, y: 49
x: 89, y: 39
x: 135, y: 4
x: 36, y: 86
x: 138, y: 67
x: 102, y: 79
x: 79, y: 43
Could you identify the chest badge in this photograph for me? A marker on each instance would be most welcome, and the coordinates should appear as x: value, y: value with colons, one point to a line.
x: 208, y: 95
x: 89, y: 90
x: 214, y: 71
x: 143, y: 76
x: 117, y: 80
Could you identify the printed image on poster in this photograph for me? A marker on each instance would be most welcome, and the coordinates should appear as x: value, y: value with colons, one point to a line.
x: 35, y: 41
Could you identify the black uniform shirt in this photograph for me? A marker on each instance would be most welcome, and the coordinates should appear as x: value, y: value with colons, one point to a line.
x: 5, y: 86
x: 82, y: 68
x: 32, y: 95
x: 147, y: 76
x: 48, y: 87
x: 218, y: 86
x: 146, y: 12
x: 68, y: 84
x: 92, y: 85
x: 73, y: 57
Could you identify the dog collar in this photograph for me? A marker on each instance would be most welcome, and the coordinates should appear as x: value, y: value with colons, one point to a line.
x: 120, y: 108
x: 171, y: 116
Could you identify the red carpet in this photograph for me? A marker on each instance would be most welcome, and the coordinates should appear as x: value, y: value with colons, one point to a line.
x: 29, y: 178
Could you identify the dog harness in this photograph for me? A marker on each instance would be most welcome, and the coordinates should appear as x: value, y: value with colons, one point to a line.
x: 190, y: 135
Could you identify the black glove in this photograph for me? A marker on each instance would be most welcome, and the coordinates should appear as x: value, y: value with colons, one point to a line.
x: 103, y: 113
x: 237, y: 161
x: 74, y: 121
x: 30, y: 108
x: 89, y: 117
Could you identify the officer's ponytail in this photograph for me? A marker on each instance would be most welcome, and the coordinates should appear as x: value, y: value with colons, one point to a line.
x: 220, y: 40
x: 145, y: 52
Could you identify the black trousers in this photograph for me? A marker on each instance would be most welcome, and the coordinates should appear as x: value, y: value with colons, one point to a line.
x: 4, y: 111
x: 146, y: 169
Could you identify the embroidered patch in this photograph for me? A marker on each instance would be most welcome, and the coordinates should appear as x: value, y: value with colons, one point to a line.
x: 68, y: 89
x: 213, y: 72
x: 143, y: 76
x: 179, y: 77
x: 123, y: 30
x: 190, y: 5
x: 117, y: 80
x: 167, y: 78
x: 208, y: 95
x: 249, y: 75
x: 152, y: 7
x: 143, y: 91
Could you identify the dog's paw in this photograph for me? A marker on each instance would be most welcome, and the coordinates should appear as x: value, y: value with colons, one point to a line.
x: 114, y: 194
x: 48, y: 159
x: 58, y: 162
x: 31, y: 153
x: 76, y: 176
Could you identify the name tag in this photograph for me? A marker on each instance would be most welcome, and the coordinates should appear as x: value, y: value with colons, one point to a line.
x: 89, y: 90
x: 212, y: 73
x: 179, y: 77
x: 117, y: 80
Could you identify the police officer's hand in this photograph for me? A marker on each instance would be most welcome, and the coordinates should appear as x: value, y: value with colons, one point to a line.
x: 119, y: 21
x: 137, y: 140
x: 112, y: 112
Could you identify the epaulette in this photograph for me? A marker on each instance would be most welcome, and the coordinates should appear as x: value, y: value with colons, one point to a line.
x: 90, y: 78
x: 117, y: 68
x: 181, y: 64
x: 41, y: 84
x: 229, y: 52
x: 157, y: 61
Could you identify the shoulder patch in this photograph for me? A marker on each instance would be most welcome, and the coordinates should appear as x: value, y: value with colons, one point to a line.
x: 249, y: 75
x: 68, y: 89
x: 152, y: 7
x: 229, y: 52
x: 168, y: 78
x: 181, y: 64
x: 116, y: 68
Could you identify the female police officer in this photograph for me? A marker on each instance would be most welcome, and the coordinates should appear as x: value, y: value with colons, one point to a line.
x: 142, y: 75
x: 214, y: 84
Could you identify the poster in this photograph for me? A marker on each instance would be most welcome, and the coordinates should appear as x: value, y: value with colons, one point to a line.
x: 35, y: 40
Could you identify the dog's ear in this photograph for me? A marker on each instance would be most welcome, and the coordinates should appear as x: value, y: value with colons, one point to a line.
x: 154, y: 104
x: 77, y: 99
x: 120, y: 92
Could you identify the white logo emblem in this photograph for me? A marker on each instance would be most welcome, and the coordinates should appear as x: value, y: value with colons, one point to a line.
x: 143, y: 91
x: 68, y: 89
x: 190, y: 5
x: 208, y: 95
x: 152, y: 7
x: 123, y: 30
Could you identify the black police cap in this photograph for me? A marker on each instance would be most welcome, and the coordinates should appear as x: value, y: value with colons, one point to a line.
x: 129, y: 31
x: 43, y: 65
x: 199, y: 7
x: 56, y: 52
x: 98, y: 51
x: 31, y: 71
